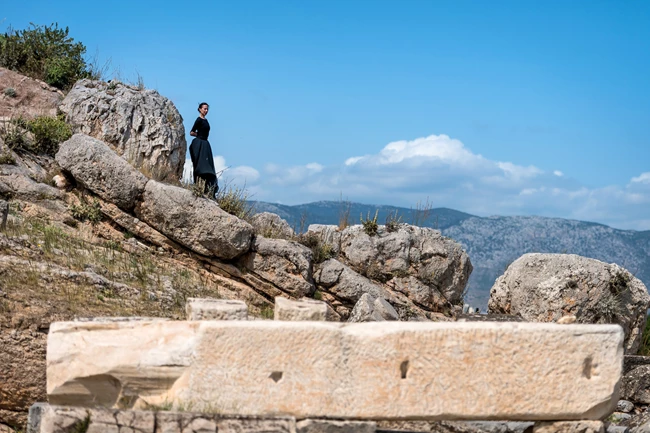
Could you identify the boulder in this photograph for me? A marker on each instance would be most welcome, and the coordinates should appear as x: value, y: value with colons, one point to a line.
x: 194, y: 222
x: 400, y: 257
x: 369, y: 309
x: 345, y: 283
x: 142, y: 126
x: 545, y: 287
x: 270, y: 225
x: 636, y: 379
x: 303, y: 309
x: 97, y: 167
x: 283, y: 267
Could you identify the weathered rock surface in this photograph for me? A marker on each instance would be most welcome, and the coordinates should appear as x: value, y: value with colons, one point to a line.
x: 139, y: 228
x: 279, y: 267
x: 333, y: 426
x: 93, y: 164
x: 22, y: 375
x: 389, y: 370
x: 215, y: 309
x: 545, y: 287
x: 303, y: 309
x: 430, y: 268
x: 636, y: 379
x: 56, y: 419
x: 142, y: 126
x: 271, y: 226
x: 33, y: 97
x: 570, y: 427
x: 369, y: 309
x: 194, y: 222
x: 345, y: 283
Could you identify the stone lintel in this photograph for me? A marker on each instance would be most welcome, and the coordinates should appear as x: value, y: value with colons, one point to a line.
x: 363, y: 371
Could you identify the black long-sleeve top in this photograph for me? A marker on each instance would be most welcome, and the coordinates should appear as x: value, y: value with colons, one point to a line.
x: 202, y: 128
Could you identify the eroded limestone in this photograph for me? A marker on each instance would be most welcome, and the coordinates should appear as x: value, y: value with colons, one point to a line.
x: 385, y: 370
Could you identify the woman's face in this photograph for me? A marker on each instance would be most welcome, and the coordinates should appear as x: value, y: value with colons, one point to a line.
x: 203, y: 110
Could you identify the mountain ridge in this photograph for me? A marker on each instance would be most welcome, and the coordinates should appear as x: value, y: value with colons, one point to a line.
x: 492, y: 242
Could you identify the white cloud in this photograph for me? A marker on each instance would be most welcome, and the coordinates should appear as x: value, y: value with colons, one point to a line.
x: 451, y: 175
x: 643, y: 178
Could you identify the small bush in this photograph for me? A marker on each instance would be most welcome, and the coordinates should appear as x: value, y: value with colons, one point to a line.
x: 267, y: 313
x: 321, y: 251
x: 90, y: 212
x: 235, y: 201
x: 318, y: 295
x: 344, y: 213
x: 370, y: 225
x: 7, y: 158
x: 393, y: 221
x: 48, y: 132
x: 10, y: 92
x: 47, y: 53
x: 14, y: 134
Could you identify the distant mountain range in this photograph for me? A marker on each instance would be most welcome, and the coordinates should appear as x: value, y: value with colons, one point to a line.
x: 492, y: 242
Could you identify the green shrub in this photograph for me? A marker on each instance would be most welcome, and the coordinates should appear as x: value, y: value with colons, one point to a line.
x: 393, y: 221
x: 47, y: 53
x: 14, y: 134
x: 7, y: 158
x: 234, y: 200
x: 91, y: 212
x: 321, y: 251
x: 370, y: 225
x: 10, y: 92
x: 48, y: 132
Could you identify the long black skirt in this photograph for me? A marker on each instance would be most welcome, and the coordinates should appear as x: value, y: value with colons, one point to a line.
x: 203, y: 163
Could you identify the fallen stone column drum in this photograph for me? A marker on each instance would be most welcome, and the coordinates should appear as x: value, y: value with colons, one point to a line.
x: 391, y: 370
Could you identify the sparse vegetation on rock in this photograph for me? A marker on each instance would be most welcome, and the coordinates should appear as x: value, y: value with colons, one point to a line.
x: 47, y: 53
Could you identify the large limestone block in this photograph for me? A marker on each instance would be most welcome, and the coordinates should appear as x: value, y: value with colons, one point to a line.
x: 142, y: 126
x: 385, y: 370
x: 98, y: 168
x: 304, y: 309
x: 545, y: 287
x: 215, y: 309
x: 195, y: 222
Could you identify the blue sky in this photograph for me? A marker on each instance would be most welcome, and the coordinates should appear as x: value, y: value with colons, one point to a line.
x: 489, y: 107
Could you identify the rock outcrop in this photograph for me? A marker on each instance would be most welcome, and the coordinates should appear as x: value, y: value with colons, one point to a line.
x: 93, y: 164
x: 545, y: 287
x: 31, y: 98
x: 194, y: 222
x: 142, y: 126
x: 415, y: 269
x: 370, y: 309
x: 270, y: 225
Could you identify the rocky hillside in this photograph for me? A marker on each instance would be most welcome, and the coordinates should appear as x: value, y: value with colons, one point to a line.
x: 494, y: 242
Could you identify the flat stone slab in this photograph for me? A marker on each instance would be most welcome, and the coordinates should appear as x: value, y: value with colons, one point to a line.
x: 302, y: 309
x: 363, y: 371
x: 215, y: 309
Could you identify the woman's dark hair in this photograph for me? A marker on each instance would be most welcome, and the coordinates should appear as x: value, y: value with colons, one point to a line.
x: 202, y: 104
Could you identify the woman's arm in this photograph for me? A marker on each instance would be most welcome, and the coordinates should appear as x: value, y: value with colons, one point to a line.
x: 195, y: 127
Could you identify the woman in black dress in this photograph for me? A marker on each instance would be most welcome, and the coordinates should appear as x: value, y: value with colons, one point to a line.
x: 200, y: 151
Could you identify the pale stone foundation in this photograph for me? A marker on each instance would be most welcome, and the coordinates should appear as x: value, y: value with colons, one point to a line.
x: 317, y: 372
